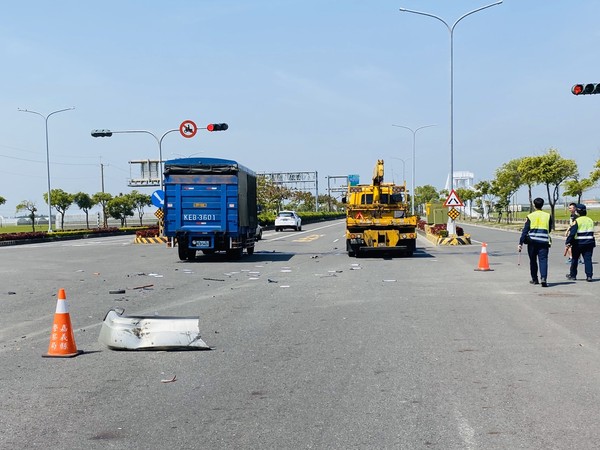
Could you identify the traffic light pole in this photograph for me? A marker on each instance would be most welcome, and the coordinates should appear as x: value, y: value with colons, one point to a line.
x: 109, y: 133
x: 159, y: 141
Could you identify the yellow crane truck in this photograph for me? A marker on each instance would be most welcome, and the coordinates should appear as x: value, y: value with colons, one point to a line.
x: 378, y: 218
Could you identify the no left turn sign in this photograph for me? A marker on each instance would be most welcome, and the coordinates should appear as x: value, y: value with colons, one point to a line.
x: 188, y: 129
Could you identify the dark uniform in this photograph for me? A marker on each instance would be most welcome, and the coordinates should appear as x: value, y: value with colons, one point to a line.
x: 536, y: 234
x: 582, y: 242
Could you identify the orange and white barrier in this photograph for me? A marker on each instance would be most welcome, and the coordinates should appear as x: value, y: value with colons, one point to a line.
x: 62, y: 342
x: 484, y: 263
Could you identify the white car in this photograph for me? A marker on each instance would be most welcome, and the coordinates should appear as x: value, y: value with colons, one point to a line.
x: 288, y: 219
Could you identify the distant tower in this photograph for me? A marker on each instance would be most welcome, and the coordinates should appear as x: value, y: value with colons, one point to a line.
x: 464, y: 180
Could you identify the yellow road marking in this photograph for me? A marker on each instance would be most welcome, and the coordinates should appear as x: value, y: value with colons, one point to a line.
x: 308, y: 238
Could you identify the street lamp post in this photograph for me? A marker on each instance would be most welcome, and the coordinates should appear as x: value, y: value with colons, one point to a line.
x: 412, y: 188
x: 47, y: 157
x: 109, y: 133
x: 403, y: 168
x: 451, y: 31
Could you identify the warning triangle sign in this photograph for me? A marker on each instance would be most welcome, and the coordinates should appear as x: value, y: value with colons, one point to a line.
x: 453, y: 200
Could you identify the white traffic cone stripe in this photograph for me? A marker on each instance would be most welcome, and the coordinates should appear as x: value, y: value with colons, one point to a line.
x: 62, y: 307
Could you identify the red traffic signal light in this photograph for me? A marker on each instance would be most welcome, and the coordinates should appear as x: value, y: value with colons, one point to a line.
x: 586, y: 89
x: 217, y: 126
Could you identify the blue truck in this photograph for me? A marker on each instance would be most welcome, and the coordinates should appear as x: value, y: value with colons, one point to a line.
x: 210, y: 205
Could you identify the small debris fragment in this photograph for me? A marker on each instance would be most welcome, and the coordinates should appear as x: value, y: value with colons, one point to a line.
x: 212, y: 279
x: 148, y: 286
x: 314, y: 257
x: 11, y: 293
x: 117, y: 291
x: 170, y: 380
x: 272, y: 281
x: 389, y: 281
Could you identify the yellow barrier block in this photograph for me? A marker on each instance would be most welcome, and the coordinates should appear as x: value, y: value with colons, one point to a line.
x: 151, y: 240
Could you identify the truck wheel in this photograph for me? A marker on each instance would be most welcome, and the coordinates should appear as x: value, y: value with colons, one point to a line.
x: 182, y: 249
x: 299, y: 228
x: 191, y: 254
x: 250, y: 250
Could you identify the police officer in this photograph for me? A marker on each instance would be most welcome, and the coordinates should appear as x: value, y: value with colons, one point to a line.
x: 536, y: 234
x: 581, y: 241
x: 573, y: 211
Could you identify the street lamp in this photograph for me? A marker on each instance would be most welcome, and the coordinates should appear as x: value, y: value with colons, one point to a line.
x: 451, y: 31
x: 403, y: 168
x: 47, y: 157
x: 109, y: 133
x: 412, y: 188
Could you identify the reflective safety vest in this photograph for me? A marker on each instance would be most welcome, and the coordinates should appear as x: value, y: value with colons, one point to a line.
x: 585, y: 230
x: 539, y: 227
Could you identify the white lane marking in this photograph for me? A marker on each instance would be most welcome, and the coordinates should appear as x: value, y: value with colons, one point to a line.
x: 466, y: 432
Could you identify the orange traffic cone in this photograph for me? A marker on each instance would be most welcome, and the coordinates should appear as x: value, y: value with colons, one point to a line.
x: 62, y: 342
x: 484, y: 264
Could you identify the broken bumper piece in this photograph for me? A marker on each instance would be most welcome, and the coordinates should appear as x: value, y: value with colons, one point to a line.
x: 121, y: 332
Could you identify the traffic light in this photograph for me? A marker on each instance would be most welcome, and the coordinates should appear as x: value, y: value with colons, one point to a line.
x: 217, y: 126
x: 101, y: 133
x: 586, y: 89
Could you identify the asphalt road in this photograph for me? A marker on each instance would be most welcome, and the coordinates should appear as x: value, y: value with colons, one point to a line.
x: 311, y: 349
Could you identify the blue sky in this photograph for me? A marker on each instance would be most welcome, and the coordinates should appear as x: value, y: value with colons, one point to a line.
x: 310, y: 85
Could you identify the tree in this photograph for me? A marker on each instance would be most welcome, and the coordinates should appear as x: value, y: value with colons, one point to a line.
x: 595, y: 173
x: 29, y: 206
x: 302, y: 201
x: 506, y: 184
x: 138, y: 201
x: 485, y: 194
x: 2, y: 200
x: 467, y: 196
x: 426, y: 194
x: 270, y: 195
x: 102, y: 199
x: 120, y: 207
x: 576, y: 188
x: 552, y: 172
x: 85, y: 203
x: 61, y: 200
x: 529, y: 174
x: 328, y: 203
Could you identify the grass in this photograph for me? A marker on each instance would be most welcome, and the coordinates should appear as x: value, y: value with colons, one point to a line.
x: 562, y: 214
x: 21, y: 228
